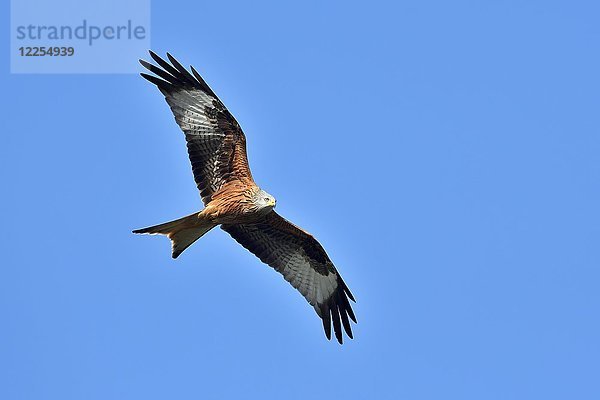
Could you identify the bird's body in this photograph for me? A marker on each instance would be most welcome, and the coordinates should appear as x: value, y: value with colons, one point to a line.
x: 233, y: 204
x: 217, y: 150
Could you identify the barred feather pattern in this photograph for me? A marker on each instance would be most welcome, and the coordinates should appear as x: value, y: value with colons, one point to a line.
x: 303, y: 262
x: 216, y: 144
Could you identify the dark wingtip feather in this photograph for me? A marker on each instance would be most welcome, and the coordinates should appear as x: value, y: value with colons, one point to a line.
x: 174, y: 61
x: 348, y: 330
x: 326, y: 317
x: 167, y: 67
x: 196, y: 74
x: 337, y: 327
x: 173, y: 80
x: 347, y: 291
x: 346, y: 306
x: 343, y: 306
x: 184, y: 72
x: 351, y: 314
x: 145, y: 63
x: 202, y: 82
x: 163, y: 86
x: 158, y: 82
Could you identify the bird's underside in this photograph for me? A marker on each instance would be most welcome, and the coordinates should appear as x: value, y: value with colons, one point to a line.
x: 217, y: 151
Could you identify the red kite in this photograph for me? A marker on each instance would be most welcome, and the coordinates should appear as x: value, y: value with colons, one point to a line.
x: 217, y: 151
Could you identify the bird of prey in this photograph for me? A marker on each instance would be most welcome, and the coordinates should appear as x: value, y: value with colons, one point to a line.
x: 217, y: 151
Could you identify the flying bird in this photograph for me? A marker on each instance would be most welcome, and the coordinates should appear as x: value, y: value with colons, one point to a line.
x: 217, y: 151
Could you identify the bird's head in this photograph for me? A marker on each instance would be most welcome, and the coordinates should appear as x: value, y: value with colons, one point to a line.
x: 264, y: 201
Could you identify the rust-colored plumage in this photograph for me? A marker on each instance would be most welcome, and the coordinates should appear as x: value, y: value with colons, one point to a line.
x: 217, y: 151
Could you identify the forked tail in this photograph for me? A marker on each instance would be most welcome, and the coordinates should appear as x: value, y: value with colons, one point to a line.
x: 182, y: 232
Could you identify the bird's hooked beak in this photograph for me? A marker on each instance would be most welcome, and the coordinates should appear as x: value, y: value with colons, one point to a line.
x: 272, y: 203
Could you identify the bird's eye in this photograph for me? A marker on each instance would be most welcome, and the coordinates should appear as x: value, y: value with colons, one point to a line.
x: 266, y: 199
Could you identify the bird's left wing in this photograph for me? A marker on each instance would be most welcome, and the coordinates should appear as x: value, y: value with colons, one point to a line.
x: 216, y: 144
x: 302, y: 261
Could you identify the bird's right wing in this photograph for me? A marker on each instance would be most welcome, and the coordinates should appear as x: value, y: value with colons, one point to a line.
x: 216, y: 144
x: 302, y: 261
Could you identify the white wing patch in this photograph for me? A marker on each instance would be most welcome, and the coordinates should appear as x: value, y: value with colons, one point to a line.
x: 316, y: 288
x: 189, y: 108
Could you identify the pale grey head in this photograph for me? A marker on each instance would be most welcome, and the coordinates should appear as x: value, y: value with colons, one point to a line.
x: 263, y: 201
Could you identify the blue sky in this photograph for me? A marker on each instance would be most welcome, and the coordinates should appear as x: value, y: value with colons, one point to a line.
x: 446, y: 154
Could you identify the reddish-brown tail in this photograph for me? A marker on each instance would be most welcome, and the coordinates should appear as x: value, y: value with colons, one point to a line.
x: 182, y: 232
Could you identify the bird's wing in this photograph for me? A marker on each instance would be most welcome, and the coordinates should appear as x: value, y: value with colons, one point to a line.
x: 215, y: 142
x: 302, y: 261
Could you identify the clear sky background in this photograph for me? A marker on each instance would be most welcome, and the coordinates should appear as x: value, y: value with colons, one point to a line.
x: 446, y: 154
